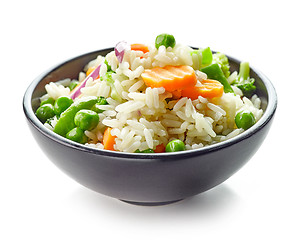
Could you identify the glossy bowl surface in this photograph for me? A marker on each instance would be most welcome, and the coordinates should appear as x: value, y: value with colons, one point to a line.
x: 147, y: 179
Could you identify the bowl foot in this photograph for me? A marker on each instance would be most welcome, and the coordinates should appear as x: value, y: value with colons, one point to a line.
x: 150, y: 203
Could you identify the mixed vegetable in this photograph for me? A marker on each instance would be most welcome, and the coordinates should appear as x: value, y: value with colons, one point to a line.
x: 75, y: 116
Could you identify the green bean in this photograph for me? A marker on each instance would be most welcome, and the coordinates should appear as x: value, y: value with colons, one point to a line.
x: 66, y: 120
x: 214, y: 72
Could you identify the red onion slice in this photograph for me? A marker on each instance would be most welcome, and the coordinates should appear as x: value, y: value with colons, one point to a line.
x: 77, y: 91
x: 120, y: 50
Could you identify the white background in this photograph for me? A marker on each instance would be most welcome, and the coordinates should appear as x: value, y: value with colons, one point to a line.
x: 39, y: 202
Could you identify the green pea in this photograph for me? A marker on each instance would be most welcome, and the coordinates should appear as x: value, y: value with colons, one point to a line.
x: 49, y: 100
x: 73, y: 84
x: 61, y: 104
x: 166, y: 40
x: 175, y: 146
x: 77, y: 135
x: 86, y: 119
x: 149, y: 150
x: 244, y: 120
x: 45, y: 112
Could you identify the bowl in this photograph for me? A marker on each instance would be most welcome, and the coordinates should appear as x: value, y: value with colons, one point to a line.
x: 147, y: 179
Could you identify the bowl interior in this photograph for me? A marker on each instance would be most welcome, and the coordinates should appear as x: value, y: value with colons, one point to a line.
x: 72, y: 67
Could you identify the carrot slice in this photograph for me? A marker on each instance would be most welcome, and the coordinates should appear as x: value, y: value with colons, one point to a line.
x: 160, y: 148
x: 108, y: 139
x: 176, y: 94
x: 139, y: 47
x: 172, y: 78
x: 208, y: 89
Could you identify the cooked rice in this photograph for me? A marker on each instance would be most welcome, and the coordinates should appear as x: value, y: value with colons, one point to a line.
x: 144, y: 119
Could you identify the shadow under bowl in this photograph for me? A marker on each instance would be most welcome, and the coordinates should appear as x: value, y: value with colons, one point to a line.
x: 146, y: 179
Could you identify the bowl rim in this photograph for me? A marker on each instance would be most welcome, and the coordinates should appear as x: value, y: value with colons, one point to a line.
x: 30, y: 115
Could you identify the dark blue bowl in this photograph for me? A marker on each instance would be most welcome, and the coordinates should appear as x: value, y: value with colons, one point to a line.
x: 147, y: 179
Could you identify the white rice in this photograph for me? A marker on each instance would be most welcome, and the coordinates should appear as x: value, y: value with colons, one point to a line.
x: 55, y: 90
x: 144, y: 118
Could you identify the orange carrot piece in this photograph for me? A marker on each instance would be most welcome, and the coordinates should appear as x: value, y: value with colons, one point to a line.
x: 89, y: 71
x: 139, y: 47
x: 108, y: 139
x: 209, y: 89
x: 160, y: 148
x: 176, y: 94
x: 172, y: 78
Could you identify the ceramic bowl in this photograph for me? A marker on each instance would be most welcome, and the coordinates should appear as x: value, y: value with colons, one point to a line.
x: 147, y: 179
